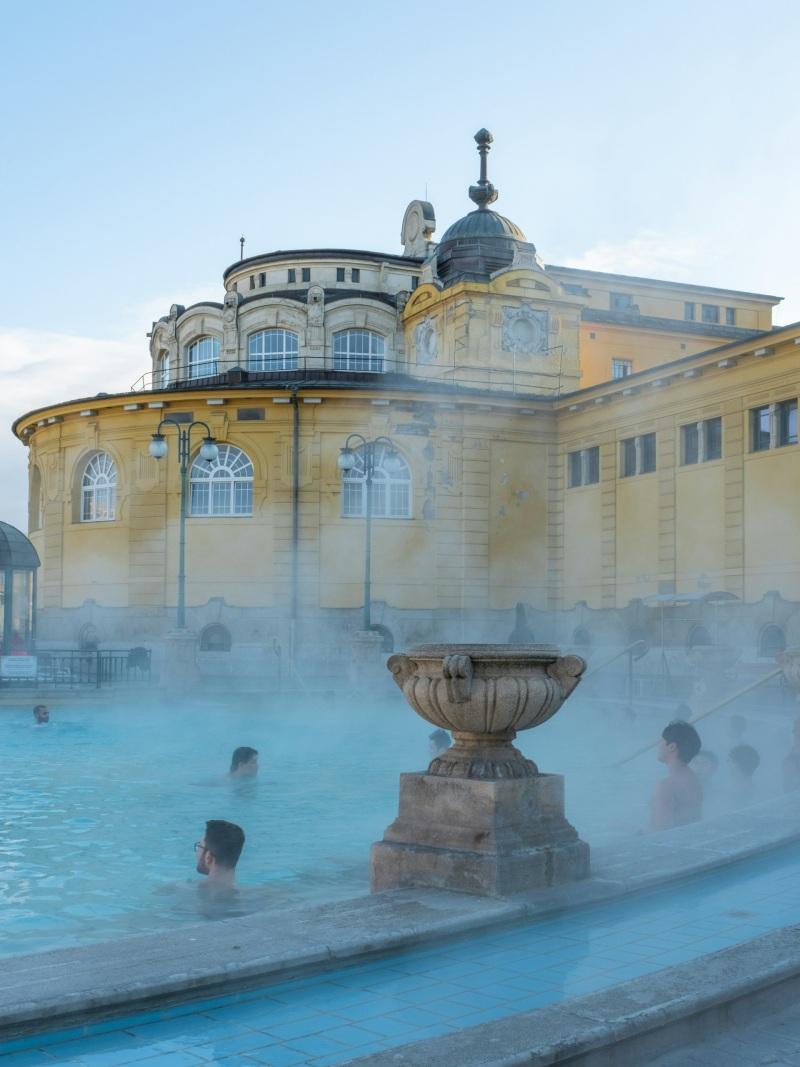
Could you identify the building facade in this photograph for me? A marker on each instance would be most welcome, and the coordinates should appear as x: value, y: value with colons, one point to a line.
x: 563, y: 437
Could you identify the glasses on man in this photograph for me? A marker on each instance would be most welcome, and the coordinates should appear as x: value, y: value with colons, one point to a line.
x: 201, y: 846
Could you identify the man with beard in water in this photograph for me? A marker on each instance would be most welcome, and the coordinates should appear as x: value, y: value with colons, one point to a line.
x: 218, y: 853
x: 678, y: 798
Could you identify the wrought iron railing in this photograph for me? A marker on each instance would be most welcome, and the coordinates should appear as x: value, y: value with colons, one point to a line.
x: 72, y: 669
x: 513, y: 379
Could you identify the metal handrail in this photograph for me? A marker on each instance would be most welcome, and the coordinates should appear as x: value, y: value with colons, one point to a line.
x: 455, y: 376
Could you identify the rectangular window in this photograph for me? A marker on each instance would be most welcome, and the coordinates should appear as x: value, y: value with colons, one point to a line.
x: 628, y: 458
x: 787, y: 422
x: 637, y: 455
x: 583, y: 467
x: 252, y: 281
x: 730, y: 316
x: 759, y: 428
x: 262, y: 279
x: 575, y: 469
x: 306, y: 274
x: 355, y: 274
x: 688, y: 311
x: 621, y: 301
x: 712, y: 439
x: 250, y: 414
x: 690, y: 444
x: 414, y: 282
x: 292, y: 275
x: 182, y: 416
x: 710, y: 313
x: 340, y: 274
x: 621, y: 368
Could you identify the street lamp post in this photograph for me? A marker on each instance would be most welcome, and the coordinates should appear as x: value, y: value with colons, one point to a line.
x: 347, y: 461
x: 209, y: 452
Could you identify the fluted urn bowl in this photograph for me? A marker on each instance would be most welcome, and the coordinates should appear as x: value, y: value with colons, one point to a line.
x: 484, y: 694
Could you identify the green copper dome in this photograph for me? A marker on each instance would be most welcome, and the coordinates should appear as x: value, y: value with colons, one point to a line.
x: 484, y: 223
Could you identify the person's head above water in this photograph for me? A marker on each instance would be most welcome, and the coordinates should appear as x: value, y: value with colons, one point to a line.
x: 679, y: 741
x: 219, y: 850
x: 745, y: 759
x: 438, y: 741
x: 41, y: 714
x: 244, y: 762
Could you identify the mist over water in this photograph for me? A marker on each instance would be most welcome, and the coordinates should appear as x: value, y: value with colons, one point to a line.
x: 104, y: 804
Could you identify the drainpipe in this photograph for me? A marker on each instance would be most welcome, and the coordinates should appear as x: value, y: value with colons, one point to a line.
x: 295, y: 517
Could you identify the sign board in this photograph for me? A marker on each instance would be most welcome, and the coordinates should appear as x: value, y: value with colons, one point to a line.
x: 18, y: 667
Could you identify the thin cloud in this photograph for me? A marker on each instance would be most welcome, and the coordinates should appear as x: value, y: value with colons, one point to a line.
x: 648, y: 254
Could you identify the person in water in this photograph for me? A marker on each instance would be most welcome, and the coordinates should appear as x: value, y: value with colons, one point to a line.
x: 678, y: 798
x: 41, y: 715
x: 438, y: 741
x: 744, y: 761
x: 218, y: 853
x: 244, y: 762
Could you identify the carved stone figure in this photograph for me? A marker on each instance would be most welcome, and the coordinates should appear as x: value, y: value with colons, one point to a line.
x: 230, y: 327
x: 524, y: 330
x: 316, y: 305
x: 419, y: 222
x: 426, y: 341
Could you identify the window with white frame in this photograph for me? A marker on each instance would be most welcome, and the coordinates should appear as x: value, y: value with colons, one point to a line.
x: 637, y: 455
x: 161, y: 377
x: 583, y: 467
x: 621, y: 368
x: 391, y: 486
x: 99, y: 489
x: 701, y: 441
x: 202, y: 357
x: 358, y: 350
x: 773, y: 425
x: 222, y: 487
x: 272, y: 350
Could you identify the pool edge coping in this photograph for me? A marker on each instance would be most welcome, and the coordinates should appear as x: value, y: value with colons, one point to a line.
x: 92, y: 980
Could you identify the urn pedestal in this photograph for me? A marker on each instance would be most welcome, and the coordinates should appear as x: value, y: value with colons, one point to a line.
x: 483, y: 820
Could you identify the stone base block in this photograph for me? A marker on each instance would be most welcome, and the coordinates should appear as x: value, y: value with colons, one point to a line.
x: 179, y: 672
x: 491, y: 838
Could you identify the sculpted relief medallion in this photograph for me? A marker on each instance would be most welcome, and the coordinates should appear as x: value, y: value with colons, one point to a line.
x: 426, y: 341
x: 524, y: 330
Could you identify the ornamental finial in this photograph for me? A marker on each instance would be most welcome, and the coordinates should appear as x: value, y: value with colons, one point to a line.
x: 484, y: 193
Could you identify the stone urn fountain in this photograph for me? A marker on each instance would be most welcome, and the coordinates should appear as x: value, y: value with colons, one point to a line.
x: 483, y: 819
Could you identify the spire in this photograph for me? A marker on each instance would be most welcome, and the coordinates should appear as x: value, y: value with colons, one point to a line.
x: 484, y: 193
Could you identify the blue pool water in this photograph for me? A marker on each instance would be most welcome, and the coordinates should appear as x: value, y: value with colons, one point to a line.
x: 101, y: 808
x: 335, y: 1017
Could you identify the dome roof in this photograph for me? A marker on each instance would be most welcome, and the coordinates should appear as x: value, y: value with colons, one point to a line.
x: 484, y: 223
x: 15, y: 549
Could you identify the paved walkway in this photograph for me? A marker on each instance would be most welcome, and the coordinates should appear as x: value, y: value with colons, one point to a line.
x: 774, y: 1039
x: 335, y: 1017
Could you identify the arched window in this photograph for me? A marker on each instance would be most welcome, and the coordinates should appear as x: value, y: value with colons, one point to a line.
x: 771, y: 642
x: 391, y: 486
x: 224, y: 487
x: 698, y: 636
x: 161, y: 376
x: 215, y: 638
x: 358, y: 350
x: 202, y: 356
x: 99, y: 489
x: 35, y: 500
x: 272, y: 350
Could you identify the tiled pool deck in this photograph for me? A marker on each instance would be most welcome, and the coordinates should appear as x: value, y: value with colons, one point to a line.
x: 422, y: 993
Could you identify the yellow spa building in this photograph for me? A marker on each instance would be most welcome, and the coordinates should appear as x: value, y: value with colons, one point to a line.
x: 584, y: 444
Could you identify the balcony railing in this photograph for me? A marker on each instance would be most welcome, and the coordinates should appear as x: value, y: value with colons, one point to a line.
x: 72, y: 669
x: 520, y: 381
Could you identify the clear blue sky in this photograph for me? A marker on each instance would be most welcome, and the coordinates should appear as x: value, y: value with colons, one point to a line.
x: 139, y: 139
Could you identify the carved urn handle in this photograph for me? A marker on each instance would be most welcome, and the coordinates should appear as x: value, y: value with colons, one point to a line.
x: 401, y: 667
x: 457, y: 674
x: 567, y: 671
